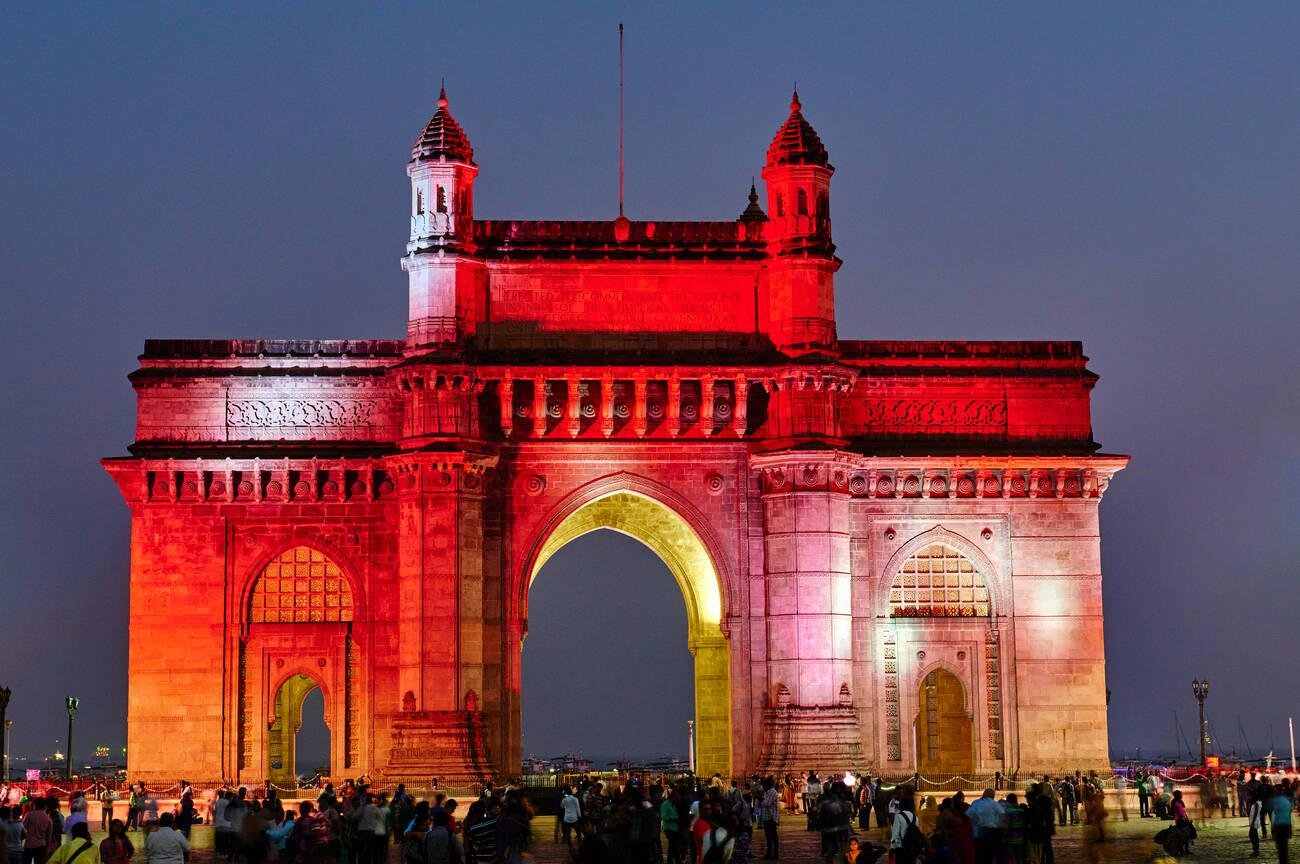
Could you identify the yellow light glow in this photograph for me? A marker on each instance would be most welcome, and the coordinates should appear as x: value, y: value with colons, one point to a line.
x: 670, y: 537
x: 665, y: 533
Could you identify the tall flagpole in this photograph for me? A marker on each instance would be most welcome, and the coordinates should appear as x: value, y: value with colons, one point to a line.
x: 1290, y: 728
x: 620, y: 118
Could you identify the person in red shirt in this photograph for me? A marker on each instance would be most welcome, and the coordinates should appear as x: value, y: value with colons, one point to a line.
x: 703, y: 825
x: 40, y: 829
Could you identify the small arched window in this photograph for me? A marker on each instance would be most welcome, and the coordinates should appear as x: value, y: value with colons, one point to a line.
x: 442, y: 200
x: 301, y: 586
x: 419, y: 201
x: 780, y: 204
x: 938, y: 582
x: 803, y: 202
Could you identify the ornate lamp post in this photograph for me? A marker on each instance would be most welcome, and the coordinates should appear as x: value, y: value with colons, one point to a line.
x: 71, y: 702
x: 5, y: 693
x: 1201, y: 689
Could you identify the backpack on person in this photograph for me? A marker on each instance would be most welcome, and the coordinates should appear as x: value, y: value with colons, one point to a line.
x: 913, y: 839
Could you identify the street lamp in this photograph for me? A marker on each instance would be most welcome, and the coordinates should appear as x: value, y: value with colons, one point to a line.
x: 9, y: 737
x: 5, y: 693
x: 71, y: 702
x: 1201, y: 689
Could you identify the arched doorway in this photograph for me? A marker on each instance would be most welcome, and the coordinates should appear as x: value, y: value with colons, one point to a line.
x: 282, y: 738
x: 943, y: 727
x: 670, y: 537
x: 595, y: 681
x: 300, y: 607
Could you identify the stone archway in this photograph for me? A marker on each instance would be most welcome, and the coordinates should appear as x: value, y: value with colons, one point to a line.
x: 282, y: 736
x: 670, y: 536
x: 944, y: 735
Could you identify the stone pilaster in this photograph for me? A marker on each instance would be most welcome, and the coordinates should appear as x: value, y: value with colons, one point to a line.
x: 809, y: 720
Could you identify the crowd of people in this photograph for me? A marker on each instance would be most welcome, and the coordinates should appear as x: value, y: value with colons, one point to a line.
x: 637, y: 820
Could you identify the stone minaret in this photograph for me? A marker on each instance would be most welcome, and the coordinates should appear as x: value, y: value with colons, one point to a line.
x: 447, y: 283
x: 801, y: 273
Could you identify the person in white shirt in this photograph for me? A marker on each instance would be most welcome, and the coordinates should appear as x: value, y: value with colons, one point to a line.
x: 1255, y: 813
x: 220, y: 824
x: 166, y: 845
x: 571, y: 809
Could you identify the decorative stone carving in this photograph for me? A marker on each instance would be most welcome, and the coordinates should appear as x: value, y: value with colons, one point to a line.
x: 952, y: 415
x: 299, y: 412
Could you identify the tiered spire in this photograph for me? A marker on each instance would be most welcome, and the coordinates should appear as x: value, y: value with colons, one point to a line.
x: 796, y: 142
x: 443, y: 138
x: 753, y: 213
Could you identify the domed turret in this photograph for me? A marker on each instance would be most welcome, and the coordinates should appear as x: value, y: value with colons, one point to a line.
x: 796, y: 142
x: 443, y: 138
x: 446, y: 283
x: 798, y: 179
x: 801, y: 272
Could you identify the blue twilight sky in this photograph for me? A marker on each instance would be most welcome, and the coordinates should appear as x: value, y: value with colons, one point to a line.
x: 1125, y: 174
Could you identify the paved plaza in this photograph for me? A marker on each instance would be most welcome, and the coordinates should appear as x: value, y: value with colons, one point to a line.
x: 1128, y: 841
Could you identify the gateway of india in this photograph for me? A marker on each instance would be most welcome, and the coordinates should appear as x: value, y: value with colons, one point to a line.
x: 888, y: 550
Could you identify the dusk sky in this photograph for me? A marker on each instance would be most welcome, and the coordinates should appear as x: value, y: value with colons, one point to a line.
x: 1127, y: 175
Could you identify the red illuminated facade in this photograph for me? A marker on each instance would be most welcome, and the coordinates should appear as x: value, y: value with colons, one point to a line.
x: 889, y: 551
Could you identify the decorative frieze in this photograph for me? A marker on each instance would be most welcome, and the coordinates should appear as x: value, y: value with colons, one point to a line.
x: 272, y: 413
x: 944, y: 416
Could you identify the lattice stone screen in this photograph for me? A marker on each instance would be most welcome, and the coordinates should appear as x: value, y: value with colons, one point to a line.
x: 301, y: 586
x: 938, y: 582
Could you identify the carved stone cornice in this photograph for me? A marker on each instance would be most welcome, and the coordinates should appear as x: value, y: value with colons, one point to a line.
x: 432, y: 473
x: 1030, y: 478
x: 251, y: 481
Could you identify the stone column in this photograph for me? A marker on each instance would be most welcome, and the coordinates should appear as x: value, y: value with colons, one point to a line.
x: 441, y: 632
x: 809, y: 612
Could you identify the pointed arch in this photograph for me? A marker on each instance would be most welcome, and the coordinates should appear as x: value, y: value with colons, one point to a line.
x: 674, y: 530
x: 697, y: 545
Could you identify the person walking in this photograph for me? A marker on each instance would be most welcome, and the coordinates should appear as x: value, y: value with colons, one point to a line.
x: 1281, y: 807
x: 106, y: 798
x: 570, y: 813
x: 1254, y: 816
x: 769, y: 814
x: 905, y: 839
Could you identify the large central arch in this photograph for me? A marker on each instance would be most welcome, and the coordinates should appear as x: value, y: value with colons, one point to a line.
x: 670, y: 536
